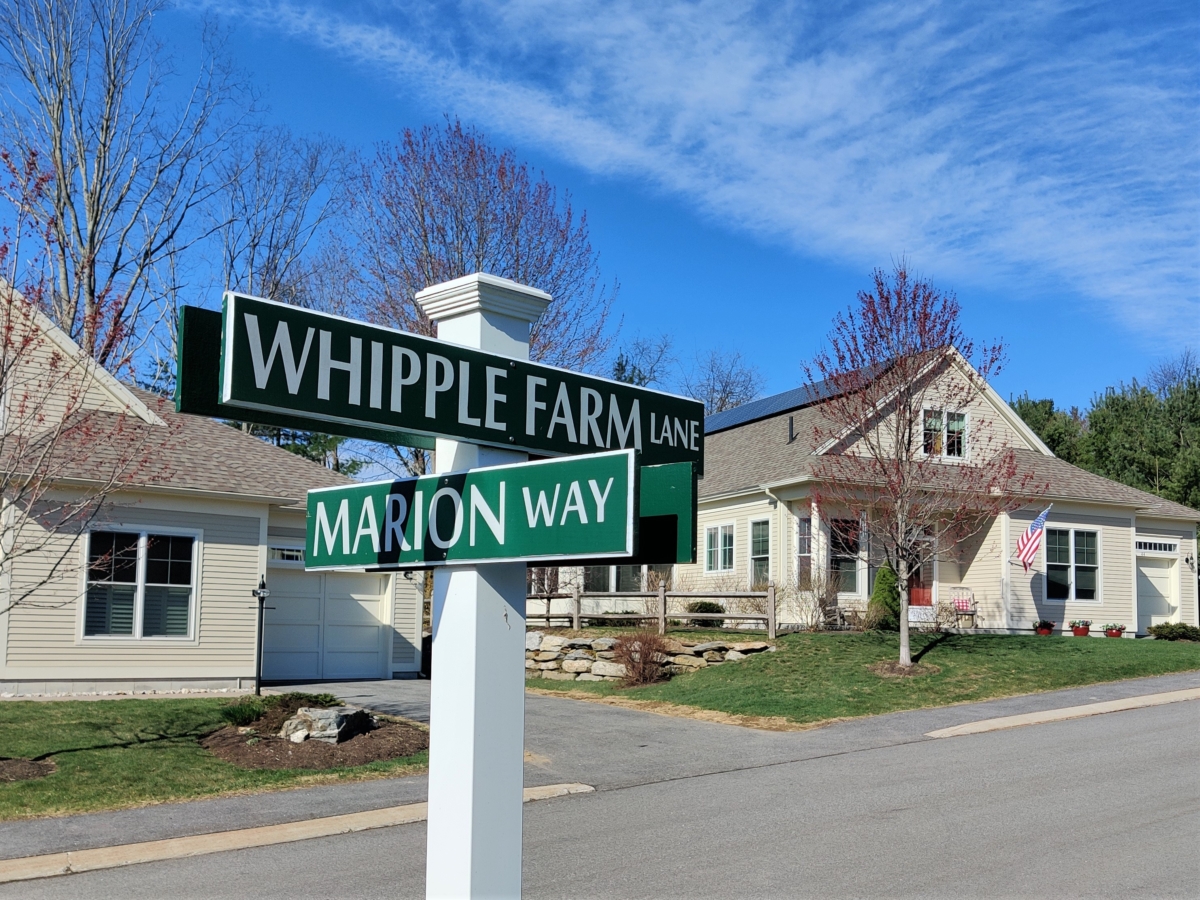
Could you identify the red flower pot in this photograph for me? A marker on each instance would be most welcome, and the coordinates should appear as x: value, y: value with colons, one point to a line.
x: 1080, y: 631
x: 1112, y: 632
x: 1044, y: 630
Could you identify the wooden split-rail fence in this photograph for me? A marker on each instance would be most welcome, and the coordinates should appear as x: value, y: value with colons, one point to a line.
x: 660, y: 616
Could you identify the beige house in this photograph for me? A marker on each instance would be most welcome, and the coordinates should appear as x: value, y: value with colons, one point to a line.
x: 1110, y: 553
x: 155, y: 589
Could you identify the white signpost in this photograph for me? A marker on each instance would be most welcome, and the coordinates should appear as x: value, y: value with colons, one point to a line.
x: 477, y: 712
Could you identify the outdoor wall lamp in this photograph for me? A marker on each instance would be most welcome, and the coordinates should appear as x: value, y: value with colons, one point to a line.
x: 261, y: 594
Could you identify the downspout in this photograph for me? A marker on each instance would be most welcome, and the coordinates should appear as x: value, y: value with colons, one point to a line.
x: 779, y: 503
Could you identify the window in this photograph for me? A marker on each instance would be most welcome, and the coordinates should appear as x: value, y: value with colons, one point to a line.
x: 718, y: 549
x: 933, y: 432
x: 285, y: 554
x: 760, y: 554
x: 596, y: 579
x: 843, y: 554
x: 804, y: 552
x: 1157, y: 547
x: 1072, y: 564
x: 944, y: 434
x: 139, y: 585
x: 660, y: 576
x: 629, y: 578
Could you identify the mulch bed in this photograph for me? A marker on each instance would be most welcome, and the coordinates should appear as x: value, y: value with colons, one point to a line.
x: 891, y: 669
x: 24, y: 769
x: 260, y: 747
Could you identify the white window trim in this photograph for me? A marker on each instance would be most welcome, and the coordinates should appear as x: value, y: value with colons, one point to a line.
x: 136, y: 639
x: 967, y: 426
x: 1157, y: 554
x: 862, y: 573
x: 1099, y: 562
x: 733, y: 562
x: 750, y: 557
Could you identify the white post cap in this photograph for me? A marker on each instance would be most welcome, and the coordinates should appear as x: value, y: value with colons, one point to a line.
x: 485, y: 294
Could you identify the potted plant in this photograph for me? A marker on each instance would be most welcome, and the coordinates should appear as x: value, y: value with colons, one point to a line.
x: 1044, y: 626
x: 1081, y: 627
x: 1112, y: 629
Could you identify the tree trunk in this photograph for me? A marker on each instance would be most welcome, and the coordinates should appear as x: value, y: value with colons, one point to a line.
x: 905, y: 651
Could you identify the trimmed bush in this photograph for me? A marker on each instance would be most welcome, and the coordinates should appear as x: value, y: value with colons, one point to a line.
x: 883, y: 612
x: 705, y: 606
x: 1174, y: 631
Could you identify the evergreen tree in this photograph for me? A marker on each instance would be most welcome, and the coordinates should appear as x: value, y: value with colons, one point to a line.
x: 883, y: 611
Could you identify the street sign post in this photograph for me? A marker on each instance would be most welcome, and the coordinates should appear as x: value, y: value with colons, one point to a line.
x: 281, y: 359
x: 625, y: 490
x: 535, y: 511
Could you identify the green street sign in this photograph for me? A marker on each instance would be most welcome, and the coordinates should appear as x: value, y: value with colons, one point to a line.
x: 283, y: 361
x: 582, y: 507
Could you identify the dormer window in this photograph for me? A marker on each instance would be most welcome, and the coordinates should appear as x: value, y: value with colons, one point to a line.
x: 945, y: 434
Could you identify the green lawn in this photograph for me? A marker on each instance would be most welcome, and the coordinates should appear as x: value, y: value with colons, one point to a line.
x: 119, y: 753
x: 814, y: 677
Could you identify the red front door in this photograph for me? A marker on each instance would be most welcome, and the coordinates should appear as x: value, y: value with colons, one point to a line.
x: 920, y: 587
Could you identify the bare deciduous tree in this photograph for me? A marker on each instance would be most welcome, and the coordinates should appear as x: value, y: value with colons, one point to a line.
x: 445, y: 203
x: 61, y: 456
x: 722, y: 380
x: 1174, y: 371
x: 896, y: 456
x: 278, y: 194
x: 86, y: 83
x: 644, y: 361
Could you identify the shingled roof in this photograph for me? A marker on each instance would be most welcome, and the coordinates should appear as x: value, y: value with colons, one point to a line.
x: 773, y: 450
x: 191, y: 453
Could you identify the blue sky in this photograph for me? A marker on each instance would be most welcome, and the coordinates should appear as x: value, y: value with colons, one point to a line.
x: 744, y: 166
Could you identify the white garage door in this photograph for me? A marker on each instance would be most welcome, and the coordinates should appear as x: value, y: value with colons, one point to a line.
x: 325, y: 626
x: 1155, y: 592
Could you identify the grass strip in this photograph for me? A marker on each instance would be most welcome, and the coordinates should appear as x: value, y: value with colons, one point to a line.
x: 817, y: 677
x: 123, y: 753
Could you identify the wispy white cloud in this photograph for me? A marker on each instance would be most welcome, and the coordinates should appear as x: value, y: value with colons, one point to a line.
x: 1034, y: 148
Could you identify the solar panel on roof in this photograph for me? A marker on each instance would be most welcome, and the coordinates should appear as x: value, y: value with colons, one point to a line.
x: 805, y: 395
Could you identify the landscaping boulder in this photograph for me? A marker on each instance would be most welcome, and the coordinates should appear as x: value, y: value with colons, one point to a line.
x: 580, y: 643
x: 702, y: 649
x: 691, y: 662
x: 332, y: 725
x: 604, y: 643
x: 547, y: 655
x: 608, y: 669
x: 533, y: 640
x: 750, y: 646
x: 552, y: 643
x: 734, y: 656
x: 577, y: 665
x: 559, y: 676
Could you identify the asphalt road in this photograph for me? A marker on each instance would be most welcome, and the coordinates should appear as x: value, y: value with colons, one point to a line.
x: 1107, y: 806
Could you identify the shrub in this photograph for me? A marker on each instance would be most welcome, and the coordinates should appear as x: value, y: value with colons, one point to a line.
x: 243, y: 712
x: 1175, y: 631
x: 705, y: 606
x: 642, y: 654
x: 883, y: 611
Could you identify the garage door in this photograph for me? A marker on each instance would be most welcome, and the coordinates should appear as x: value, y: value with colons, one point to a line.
x: 325, y: 626
x: 1155, y: 592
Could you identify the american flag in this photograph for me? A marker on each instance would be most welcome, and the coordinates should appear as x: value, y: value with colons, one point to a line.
x: 1031, y: 540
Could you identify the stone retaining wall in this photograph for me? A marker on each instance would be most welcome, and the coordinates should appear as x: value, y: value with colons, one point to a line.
x: 592, y: 659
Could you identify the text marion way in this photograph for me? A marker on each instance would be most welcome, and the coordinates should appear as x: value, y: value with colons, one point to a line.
x: 281, y: 358
x: 552, y: 509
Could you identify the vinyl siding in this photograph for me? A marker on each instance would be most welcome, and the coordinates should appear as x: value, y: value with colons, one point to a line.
x: 692, y: 577
x: 406, y: 622
x: 44, y: 636
x: 1116, y: 604
x: 980, y: 563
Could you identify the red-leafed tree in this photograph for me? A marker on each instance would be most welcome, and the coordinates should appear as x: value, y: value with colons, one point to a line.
x: 63, y: 454
x: 906, y: 444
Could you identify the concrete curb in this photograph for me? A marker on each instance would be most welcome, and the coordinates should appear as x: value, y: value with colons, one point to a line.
x: 1070, y: 712
x: 75, y: 861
